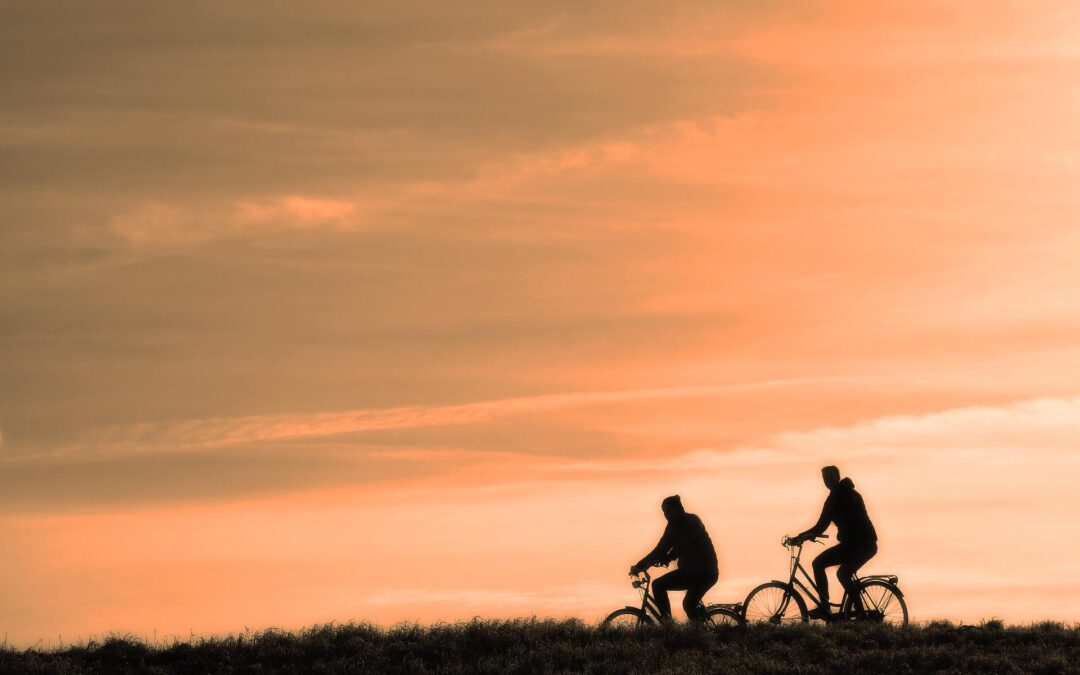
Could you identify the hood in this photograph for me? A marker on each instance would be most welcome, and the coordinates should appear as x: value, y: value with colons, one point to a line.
x: 846, y: 484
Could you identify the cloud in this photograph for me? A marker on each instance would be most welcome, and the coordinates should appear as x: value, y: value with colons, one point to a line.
x: 417, y: 205
x: 210, y: 433
x: 266, y: 454
x: 1042, y: 423
x: 157, y: 225
x: 314, y: 100
x: 303, y: 211
x: 1039, y: 430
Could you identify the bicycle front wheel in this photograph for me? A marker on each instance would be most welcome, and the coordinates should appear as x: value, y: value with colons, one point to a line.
x: 775, y: 603
x: 882, y: 603
x: 722, y: 616
x: 626, y: 617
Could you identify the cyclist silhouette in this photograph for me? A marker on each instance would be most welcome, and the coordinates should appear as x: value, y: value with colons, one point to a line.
x: 855, y: 534
x: 685, y: 540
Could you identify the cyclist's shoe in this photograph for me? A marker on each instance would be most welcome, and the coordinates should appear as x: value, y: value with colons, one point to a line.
x: 821, y: 613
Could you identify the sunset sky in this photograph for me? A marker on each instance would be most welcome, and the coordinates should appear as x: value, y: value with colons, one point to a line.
x: 392, y: 311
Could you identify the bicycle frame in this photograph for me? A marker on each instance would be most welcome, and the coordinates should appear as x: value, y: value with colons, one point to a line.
x: 648, y: 604
x: 809, y: 587
x: 801, y: 588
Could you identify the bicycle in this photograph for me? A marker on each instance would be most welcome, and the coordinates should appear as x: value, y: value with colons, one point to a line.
x: 783, y: 602
x: 648, y: 613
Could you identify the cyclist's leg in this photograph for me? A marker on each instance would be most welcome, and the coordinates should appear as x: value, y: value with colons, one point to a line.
x: 672, y: 581
x: 856, y: 557
x: 830, y: 557
x: 695, y: 591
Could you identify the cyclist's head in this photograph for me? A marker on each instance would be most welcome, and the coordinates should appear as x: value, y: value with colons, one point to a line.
x: 831, y: 475
x: 672, y: 506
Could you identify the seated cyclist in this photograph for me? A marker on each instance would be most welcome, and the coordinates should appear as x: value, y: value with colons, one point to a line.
x: 855, y: 535
x: 686, y: 541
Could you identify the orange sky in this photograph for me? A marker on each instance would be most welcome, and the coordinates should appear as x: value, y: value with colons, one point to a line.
x: 339, y: 313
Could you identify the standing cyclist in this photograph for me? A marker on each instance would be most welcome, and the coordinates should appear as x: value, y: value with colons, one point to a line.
x: 855, y: 534
x: 685, y: 540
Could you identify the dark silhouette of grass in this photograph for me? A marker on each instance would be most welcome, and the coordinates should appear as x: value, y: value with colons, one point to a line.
x: 534, y: 646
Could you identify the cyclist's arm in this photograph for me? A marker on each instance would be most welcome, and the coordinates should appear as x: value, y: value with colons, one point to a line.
x: 662, y: 552
x: 821, y: 525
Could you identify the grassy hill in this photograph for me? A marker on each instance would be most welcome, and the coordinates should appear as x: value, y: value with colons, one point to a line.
x: 532, y: 646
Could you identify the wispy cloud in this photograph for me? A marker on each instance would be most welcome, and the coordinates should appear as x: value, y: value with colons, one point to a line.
x: 1039, y: 422
x: 216, y: 432
x: 1044, y: 428
x: 154, y: 225
x: 299, y: 211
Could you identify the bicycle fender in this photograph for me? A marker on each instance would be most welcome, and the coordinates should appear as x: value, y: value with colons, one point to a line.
x: 892, y: 587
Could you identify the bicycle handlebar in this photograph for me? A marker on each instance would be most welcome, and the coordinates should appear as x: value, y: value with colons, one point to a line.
x: 645, y: 570
x: 641, y: 579
x: 790, y: 541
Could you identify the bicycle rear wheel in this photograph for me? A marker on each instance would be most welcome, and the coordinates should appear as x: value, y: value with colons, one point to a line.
x: 626, y: 617
x: 776, y: 603
x: 722, y: 616
x: 882, y: 603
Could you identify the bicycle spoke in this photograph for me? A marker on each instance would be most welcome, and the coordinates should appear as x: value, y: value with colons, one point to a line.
x: 883, y: 595
x: 773, y: 608
x: 772, y: 604
x: 723, y: 617
x: 888, y: 601
x: 868, y: 601
x: 881, y: 603
x: 781, y: 607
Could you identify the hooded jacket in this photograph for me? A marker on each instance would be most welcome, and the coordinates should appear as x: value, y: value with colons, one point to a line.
x: 844, y: 506
x: 685, y: 540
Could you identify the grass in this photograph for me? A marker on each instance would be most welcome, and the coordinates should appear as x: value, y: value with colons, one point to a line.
x: 534, y: 646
